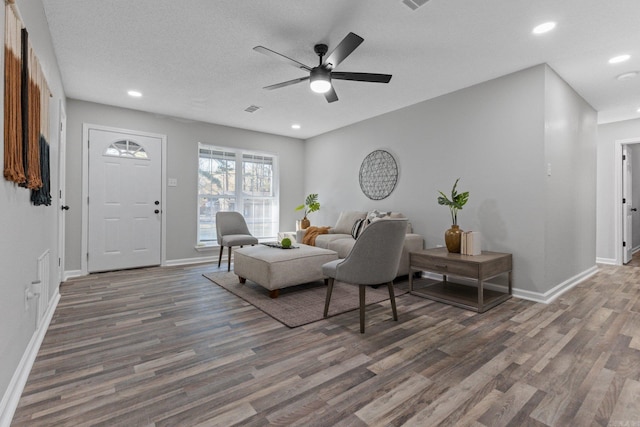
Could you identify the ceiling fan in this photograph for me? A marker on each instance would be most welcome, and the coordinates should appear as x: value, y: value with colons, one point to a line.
x: 320, y: 76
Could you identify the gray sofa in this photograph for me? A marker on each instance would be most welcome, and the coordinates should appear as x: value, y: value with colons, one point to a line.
x: 340, y: 239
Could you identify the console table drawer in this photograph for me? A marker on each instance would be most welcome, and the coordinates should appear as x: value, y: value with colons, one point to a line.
x: 445, y: 266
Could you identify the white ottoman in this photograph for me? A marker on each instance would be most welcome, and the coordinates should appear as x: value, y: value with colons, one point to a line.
x: 275, y: 268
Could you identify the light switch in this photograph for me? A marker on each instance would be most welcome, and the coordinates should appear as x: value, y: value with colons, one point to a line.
x: 173, y: 182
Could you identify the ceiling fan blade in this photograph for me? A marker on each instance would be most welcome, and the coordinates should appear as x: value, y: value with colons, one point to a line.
x: 361, y: 77
x: 331, y: 95
x: 281, y: 57
x: 344, y: 49
x: 287, y: 83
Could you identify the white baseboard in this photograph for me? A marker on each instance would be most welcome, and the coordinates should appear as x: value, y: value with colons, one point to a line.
x: 68, y: 274
x: 609, y: 261
x: 12, y: 395
x: 544, y: 298
x: 198, y: 260
x: 558, y: 290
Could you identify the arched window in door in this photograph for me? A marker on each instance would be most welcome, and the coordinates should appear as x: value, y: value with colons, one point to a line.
x: 126, y: 148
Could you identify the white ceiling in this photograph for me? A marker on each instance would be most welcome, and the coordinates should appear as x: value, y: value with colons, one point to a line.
x: 193, y: 59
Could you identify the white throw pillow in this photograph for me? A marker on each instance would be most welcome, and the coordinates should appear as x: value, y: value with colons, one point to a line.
x: 376, y: 214
x: 346, y: 221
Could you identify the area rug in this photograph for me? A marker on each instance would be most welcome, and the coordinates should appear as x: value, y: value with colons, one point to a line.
x: 302, y: 304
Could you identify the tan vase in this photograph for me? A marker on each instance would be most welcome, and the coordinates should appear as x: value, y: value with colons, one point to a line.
x: 305, y: 223
x: 452, y: 239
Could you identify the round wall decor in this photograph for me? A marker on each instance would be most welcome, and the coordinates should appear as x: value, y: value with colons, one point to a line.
x: 378, y: 174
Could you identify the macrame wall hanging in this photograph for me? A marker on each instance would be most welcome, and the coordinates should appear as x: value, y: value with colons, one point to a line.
x: 26, y: 112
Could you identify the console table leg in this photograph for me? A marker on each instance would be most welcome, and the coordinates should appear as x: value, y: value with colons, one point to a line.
x: 480, y: 297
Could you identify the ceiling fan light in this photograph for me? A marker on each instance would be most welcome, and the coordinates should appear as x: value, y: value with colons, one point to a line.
x: 320, y: 80
x: 320, y: 86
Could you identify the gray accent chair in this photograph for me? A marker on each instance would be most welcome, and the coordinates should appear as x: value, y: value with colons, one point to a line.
x: 373, y: 260
x: 232, y: 230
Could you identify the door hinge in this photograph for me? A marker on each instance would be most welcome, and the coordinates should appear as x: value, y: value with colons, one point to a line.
x: 624, y: 157
x: 58, y: 262
x: 624, y: 200
x: 624, y: 244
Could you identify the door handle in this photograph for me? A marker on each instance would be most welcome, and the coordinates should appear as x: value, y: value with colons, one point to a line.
x: 634, y: 209
x: 157, y: 202
x: 156, y: 211
x: 64, y: 208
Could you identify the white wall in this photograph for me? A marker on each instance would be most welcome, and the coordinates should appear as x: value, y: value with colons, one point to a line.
x: 608, y: 134
x: 493, y: 137
x: 27, y: 231
x: 182, y: 160
x: 570, y: 150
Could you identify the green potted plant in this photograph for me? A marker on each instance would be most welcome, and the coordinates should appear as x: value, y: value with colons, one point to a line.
x: 310, y: 204
x: 453, y: 235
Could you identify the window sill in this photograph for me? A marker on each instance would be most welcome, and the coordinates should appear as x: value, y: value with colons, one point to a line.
x: 205, y: 247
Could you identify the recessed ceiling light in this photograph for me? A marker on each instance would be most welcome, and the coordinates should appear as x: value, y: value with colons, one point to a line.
x: 544, y: 28
x: 627, y: 76
x: 134, y: 93
x: 295, y: 126
x: 619, y: 59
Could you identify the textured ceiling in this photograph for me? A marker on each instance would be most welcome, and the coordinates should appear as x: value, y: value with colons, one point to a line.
x: 193, y: 59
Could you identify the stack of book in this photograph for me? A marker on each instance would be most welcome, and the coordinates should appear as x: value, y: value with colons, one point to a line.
x: 470, y: 243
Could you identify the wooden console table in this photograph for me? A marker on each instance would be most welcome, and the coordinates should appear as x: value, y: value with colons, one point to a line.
x: 477, y: 267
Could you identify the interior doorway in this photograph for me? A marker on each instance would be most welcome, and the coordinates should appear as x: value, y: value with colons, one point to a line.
x: 627, y: 217
x: 62, y: 207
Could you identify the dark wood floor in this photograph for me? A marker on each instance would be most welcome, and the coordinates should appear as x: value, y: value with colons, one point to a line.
x: 635, y: 260
x: 166, y: 347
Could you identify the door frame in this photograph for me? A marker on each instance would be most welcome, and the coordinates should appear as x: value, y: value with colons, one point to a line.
x: 62, y: 188
x: 618, y: 211
x: 85, y: 189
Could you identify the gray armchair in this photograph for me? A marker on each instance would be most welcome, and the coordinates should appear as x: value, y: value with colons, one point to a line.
x: 372, y: 261
x: 232, y: 230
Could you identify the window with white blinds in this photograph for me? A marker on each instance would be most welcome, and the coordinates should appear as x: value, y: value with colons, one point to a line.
x: 237, y: 180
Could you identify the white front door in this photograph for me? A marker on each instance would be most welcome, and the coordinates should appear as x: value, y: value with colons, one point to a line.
x: 627, y: 205
x: 125, y: 189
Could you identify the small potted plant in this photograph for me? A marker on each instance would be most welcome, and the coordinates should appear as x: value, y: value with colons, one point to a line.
x: 453, y: 235
x: 310, y: 204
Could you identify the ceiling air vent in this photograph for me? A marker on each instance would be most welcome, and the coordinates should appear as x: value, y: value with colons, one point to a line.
x: 414, y: 4
x: 252, y: 109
